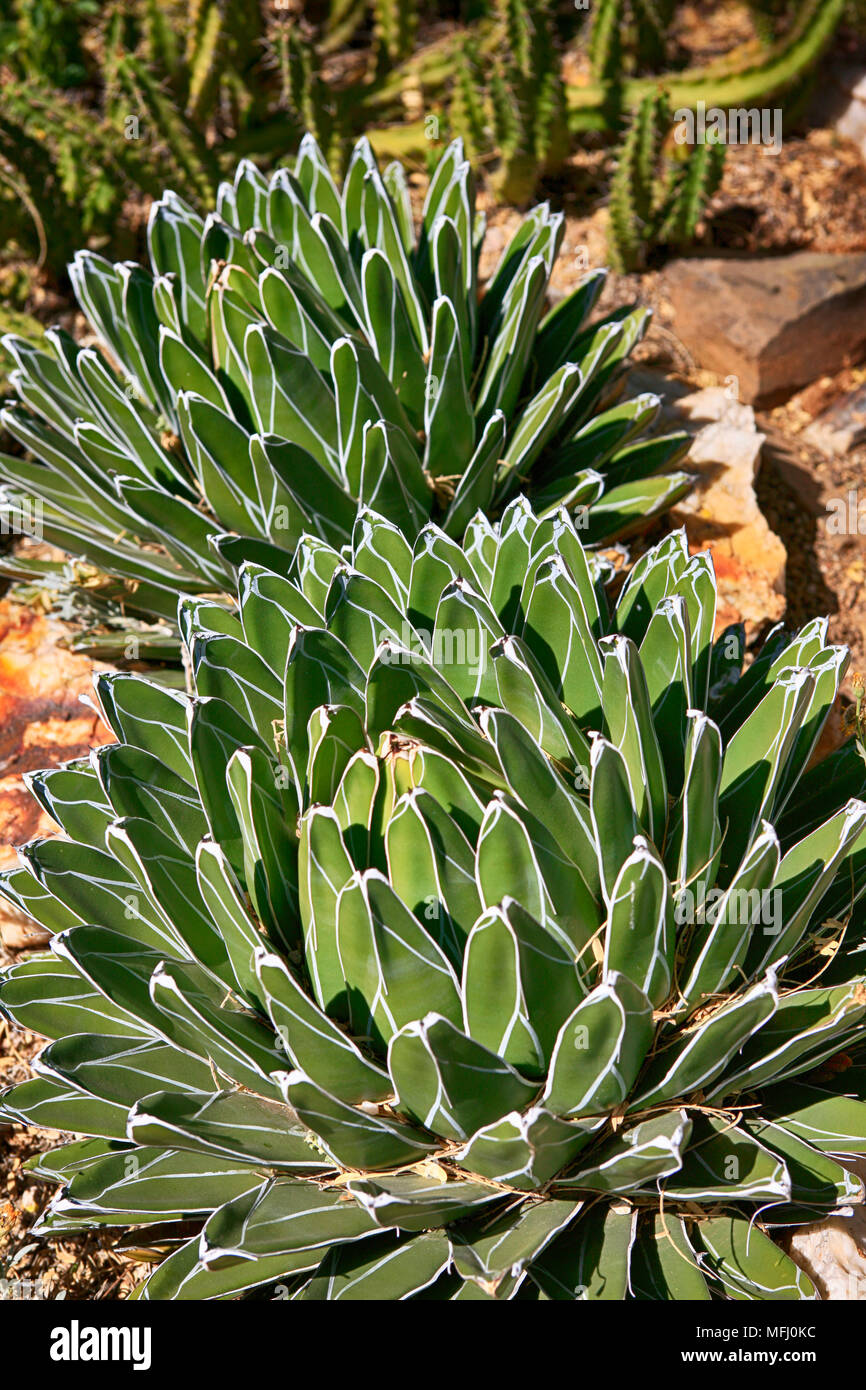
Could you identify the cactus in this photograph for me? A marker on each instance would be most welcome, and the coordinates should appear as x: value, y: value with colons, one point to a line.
x: 161, y: 34
x: 171, y: 67
x: 725, y: 85
x: 599, y: 105
x: 345, y: 17
x: 467, y: 112
x: 203, y: 60
x: 633, y: 30
x: 528, y: 98
x: 605, y: 39
x: 690, y: 187
x: 304, y: 95
x: 631, y: 189
x: 45, y: 39
x: 519, y: 117
x: 253, y: 77
x: 650, y: 19
x: 73, y: 166
x: 657, y: 202
x: 396, y: 25
x: 166, y: 128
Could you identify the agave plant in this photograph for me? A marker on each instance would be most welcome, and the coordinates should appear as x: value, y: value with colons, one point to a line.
x: 462, y: 933
x: 299, y: 354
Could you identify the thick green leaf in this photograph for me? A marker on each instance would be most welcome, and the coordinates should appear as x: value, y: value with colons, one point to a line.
x: 743, y: 1263
x: 591, y: 1260
x: 726, y: 1163
x: 524, y: 1150
x: 231, y: 1124
x: 600, y: 1050
x: 313, y: 1042
x: 387, y: 1270
x: 490, y: 1252
x: 537, y: 987
x: 394, y: 971
x: 664, y: 1265
x: 413, y: 1202
x: 354, y: 1138
x: 450, y: 1083
x: 698, y: 1056
x: 635, y: 1157
x: 639, y: 941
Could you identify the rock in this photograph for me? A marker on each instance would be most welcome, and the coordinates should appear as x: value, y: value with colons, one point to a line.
x: 840, y: 102
x: 774, y: 324
x: 797, y: 473
x: 833, y: 1252
x: 669, y: 389
x: 42, y: 723
x: 501, y: 225
x: 19, y: 932
x: 842, y: 427
x: 722, y: 513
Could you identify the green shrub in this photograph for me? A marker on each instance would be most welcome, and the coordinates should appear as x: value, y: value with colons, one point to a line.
x: 300, y: 353
x: 459, y: 934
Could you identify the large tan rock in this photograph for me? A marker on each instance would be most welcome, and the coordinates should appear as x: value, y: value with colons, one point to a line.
x: 842, y: 427
x: 839, y: 101
x: 775, y: 324
x: 42, y: 723
x: 722, y: 513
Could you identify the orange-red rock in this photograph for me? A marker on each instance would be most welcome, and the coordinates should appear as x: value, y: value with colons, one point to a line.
x: 42, y: 723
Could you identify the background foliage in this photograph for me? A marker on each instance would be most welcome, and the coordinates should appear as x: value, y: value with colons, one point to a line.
x: 104, y: 105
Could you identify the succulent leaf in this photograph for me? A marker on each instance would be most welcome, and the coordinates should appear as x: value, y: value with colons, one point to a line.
x: 433, y: 946
x: 299, y: 355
